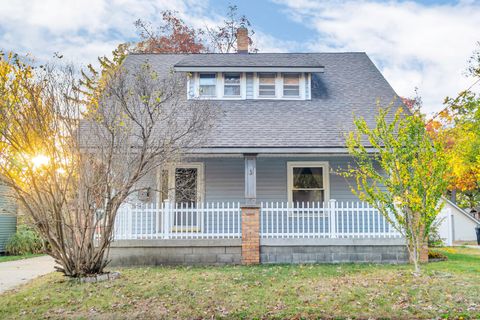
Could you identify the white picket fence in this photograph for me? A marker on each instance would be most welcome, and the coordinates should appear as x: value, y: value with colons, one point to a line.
x: 222, y: 220
x: 332, y: 219
x: 178, y: 221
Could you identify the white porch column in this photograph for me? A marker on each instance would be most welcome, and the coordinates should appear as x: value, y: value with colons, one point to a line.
x: 250, y: 179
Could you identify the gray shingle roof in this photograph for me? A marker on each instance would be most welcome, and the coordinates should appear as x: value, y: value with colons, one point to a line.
x: 350, y: 86
x: 251, y: 60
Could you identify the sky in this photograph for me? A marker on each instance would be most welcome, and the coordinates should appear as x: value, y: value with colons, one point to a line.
x: 415, y: 44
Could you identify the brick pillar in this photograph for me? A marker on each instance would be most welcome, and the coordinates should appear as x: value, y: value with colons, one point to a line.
x: 250, y: 234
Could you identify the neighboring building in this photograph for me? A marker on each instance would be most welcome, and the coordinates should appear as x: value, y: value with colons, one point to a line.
x: 8, y: 215
x: 265, y: 184
x: 456, y: 225
x: 475, y: 212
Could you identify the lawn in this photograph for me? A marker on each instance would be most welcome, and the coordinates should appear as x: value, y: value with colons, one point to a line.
x: 449, y: 289
x: 13, y: 258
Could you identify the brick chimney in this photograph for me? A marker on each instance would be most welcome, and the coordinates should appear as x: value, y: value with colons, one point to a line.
x: 242, y: 40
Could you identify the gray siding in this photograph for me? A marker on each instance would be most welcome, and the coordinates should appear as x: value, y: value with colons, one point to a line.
x: 191, y: 87
x: 249, y: 85
x: 8, y: 227
x: 224, y: 178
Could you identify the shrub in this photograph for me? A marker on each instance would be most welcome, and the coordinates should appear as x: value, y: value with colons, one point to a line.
x: 24, y: 241
x: 436, y: 255
x: 434, y: 239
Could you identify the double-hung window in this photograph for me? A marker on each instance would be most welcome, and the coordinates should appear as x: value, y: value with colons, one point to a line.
x: 231, y: 86
x: 308, y: 182
x: 208, y: 85
x: 266, y: 85
x: 291, y: 85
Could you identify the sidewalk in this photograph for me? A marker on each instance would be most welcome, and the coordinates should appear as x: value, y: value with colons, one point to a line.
x: 15, y: 273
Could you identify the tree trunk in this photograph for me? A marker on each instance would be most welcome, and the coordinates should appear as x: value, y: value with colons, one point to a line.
x: 453, y: 196
x: 414, y: 259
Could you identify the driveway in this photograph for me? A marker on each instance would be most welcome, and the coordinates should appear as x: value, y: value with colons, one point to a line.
x: 15, y: 273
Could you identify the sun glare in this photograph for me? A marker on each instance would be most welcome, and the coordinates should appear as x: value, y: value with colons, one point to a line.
x: 40, y: 160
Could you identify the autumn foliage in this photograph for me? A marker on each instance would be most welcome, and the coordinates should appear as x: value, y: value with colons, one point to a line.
x: 457, y: 127
x: 173, y: 36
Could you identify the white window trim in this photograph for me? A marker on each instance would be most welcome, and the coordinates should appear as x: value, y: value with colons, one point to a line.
x: 301, y: 88
x: 197, y: 87
x: 200, y: 166
x: 243, y: 86
x: 308, y: 86
x: 193, y: 87
x: 256, y: 86
x: 312, y: 164
x: 194, y: 82
x: 279, y: 88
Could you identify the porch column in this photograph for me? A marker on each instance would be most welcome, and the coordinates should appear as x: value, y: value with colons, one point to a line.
x: 250, y: 179
x: 250, y: 234
x: 250, y: 214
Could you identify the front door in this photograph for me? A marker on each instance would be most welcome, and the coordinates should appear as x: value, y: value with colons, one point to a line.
x: 187, y: 194
x: 186, y: 186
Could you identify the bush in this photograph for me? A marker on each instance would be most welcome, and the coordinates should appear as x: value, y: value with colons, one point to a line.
x: 24, y: 241
x: 436, y: 255
x: 434, y: 239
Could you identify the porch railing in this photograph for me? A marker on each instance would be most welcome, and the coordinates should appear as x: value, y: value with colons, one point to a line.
x: 178, y: 221
x: 332, y: 219
x: 222, y: 220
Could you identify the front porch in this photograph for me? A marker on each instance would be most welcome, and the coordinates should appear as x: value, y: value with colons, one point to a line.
x: 253, y: 209
x: 278, y: 220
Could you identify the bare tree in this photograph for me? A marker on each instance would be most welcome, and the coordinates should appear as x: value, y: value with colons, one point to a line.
x: 174, y: 35
x: 223, y: 38
x: 72, y: 164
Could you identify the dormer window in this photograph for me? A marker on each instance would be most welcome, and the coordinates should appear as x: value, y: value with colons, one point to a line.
x: 231, y: 85
x: 237, y: 85
x: 208, y: 85
x: 266, y: 84
x: 291, y: 85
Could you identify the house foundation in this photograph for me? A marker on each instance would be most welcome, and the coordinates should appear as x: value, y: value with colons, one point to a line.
x: 270, y: 251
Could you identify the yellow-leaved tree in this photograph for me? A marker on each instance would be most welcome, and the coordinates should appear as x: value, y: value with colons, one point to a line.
x: 458, y: 126
x: 404, y: 178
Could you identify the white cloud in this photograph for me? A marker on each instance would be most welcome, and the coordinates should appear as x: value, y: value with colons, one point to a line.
x: 414, y: 45
x: 82, y: 30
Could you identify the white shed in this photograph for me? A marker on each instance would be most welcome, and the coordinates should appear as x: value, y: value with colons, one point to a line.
x: 456, y: 224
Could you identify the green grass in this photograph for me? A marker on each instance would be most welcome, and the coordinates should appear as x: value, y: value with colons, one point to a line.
x: 13, y: 258
x: 449, y: 289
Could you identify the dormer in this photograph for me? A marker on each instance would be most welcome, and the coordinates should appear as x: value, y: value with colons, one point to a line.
x: 243, y: 75
x: 252, y: 80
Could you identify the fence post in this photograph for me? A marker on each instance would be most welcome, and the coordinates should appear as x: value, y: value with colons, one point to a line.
x: 333, y: 218
x: 129, y: 222
x: 167, y: 208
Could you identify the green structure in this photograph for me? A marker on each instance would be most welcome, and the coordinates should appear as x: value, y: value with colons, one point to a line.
x: 8, y: 215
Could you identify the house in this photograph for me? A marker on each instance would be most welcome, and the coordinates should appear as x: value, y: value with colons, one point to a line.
x: 8, y: 216
x: 264, y: 187
x: 456, y: 225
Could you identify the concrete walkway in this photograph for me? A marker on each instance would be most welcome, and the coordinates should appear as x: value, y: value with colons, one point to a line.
x: 472, y: 246
x: 15, y: 273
